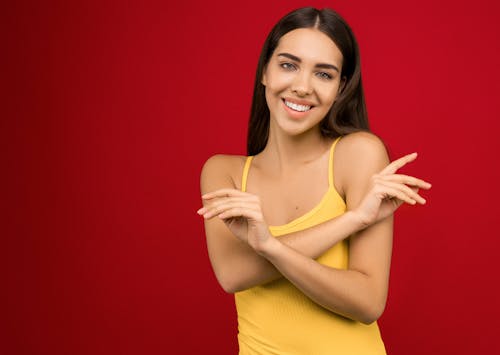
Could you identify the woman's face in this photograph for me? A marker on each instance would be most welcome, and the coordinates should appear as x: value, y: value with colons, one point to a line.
x: 302, y: 80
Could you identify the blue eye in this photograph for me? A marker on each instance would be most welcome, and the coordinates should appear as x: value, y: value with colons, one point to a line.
x: 324, y: 75
x: 287, y: 66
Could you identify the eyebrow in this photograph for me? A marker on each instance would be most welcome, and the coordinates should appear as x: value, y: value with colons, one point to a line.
x: 319, y: 65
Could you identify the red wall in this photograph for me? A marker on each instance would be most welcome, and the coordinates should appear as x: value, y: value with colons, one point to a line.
x: 110, y: 110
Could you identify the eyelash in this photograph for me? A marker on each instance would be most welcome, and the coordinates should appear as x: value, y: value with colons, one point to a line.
x: 287, y: 66
x: 322, y: 75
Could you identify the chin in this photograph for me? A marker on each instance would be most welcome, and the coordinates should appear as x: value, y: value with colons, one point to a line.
x: 298, y: 129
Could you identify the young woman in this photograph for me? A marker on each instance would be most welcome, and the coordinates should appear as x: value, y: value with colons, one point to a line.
x: 301, y: 229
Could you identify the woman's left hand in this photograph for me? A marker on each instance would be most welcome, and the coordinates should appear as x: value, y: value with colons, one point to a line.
x: 242, y: 214
x: 390, y: 190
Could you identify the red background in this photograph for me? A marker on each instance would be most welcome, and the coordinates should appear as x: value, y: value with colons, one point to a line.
x: 110, y: 110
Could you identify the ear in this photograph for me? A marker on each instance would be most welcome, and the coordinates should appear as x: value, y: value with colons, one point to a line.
x: 263, y: 81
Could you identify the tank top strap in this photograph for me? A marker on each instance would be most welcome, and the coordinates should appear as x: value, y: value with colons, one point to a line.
x: 330, y: 163
x: 244, y: 177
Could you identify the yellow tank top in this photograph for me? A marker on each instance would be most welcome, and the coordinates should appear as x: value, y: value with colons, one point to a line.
x: 277, y: 318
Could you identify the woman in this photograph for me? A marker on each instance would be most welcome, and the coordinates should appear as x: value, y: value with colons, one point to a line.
x: 301, y: 230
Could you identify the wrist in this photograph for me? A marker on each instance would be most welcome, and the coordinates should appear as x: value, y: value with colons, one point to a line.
x: 268, y: 247
x: 357, y: 220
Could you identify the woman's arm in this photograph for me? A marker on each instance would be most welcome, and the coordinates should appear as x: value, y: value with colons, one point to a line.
x: 359, y: 292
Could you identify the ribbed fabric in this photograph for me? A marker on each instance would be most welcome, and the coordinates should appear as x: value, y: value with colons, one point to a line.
x: 277, y: 318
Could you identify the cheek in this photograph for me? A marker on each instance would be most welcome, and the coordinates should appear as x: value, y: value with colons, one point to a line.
x: 329, y: 95
x: 271, y: 97
x: 278, y: 83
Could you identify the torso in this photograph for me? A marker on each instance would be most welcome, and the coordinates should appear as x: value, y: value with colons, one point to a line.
x: 276, y: 317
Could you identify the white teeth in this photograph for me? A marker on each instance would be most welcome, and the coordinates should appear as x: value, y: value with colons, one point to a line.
x: 296, y: 107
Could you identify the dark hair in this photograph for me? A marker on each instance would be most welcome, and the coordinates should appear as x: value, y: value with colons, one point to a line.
x: 348, y: 113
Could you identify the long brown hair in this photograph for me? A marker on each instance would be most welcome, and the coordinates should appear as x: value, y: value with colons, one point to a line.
x: 348, y: 113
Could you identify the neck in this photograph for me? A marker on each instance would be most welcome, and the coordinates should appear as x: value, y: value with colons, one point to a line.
x: 285, y: 152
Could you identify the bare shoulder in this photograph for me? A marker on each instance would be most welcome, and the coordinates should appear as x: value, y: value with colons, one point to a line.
x: 361, y: 149
x: 362, y: 145
x: 222, y: 171
x: 359, y: 155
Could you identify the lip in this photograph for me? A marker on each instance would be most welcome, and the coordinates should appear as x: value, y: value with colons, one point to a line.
x: 299, y: 101
x: 297, y: 115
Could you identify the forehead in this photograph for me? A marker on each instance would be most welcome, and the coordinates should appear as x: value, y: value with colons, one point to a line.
x: 310, y: 44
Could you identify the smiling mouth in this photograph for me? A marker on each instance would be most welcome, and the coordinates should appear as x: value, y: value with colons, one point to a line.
x: 297, y: 107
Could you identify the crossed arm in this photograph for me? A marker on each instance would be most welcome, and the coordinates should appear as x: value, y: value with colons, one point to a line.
x: 243, y: 254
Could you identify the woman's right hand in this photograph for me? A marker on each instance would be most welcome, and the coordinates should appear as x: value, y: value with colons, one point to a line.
x: 242, y: 214
x: 388, y: 191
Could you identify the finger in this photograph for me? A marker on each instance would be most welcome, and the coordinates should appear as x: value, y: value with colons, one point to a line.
x: 407, y: 180
x: 216, y: 210
x: 221, y: 200
x: 215, y: 202
x: 223, y: 193
x: 240, y: 212
x: 390, y: 192
x: 404, y: 189
x: 399, y: 163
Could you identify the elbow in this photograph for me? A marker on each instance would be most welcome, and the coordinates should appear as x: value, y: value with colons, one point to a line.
x: 228, y: 287
x: 228, y: 283
x: 232, y: 278
x: 368, y: 319
x: 371, y: 313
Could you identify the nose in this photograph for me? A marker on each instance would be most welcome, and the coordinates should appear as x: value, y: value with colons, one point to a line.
x: 302, y: 84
